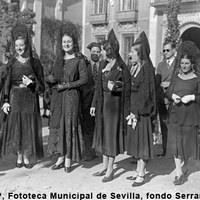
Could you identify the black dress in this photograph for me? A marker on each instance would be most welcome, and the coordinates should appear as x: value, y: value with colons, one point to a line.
x: 69, y: 133
x: 140, y: 140
x: 109, y: 129
x: 184, y: 119
x: 23, y: 127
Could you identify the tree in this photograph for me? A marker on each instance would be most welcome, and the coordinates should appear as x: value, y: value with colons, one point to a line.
x: 173, y: 29
x: 9, y: 16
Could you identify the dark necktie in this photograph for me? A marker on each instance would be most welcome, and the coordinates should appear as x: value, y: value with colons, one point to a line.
x: 94, y: 68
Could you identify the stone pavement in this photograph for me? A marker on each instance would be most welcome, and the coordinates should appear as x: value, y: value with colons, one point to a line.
x: 80, y: 184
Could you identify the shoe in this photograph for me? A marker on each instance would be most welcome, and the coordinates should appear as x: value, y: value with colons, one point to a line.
x: 45, y: 116
x: 100, y: 173
x: 137, y: 184
x: 19, y: 165
x: 180, y: 180
x: 132, y: 178
x: 108, y: 178
x: 28, y: 166
x: 90, y: 158
x: 161, y: 155
x: 176, y: 177
x: 67, y: 169
x: 56, y: 167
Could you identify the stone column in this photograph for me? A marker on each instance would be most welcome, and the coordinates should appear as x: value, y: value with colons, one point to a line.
x: 83, y: 25
x: 23, y: 4
x: 59, y: 10
x: 37, y: 8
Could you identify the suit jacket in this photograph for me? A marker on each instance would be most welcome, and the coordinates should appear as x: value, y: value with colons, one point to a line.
x: 87, y: 91
x: 164, y: 73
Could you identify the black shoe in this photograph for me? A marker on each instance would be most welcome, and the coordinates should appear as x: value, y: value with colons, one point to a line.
x: 90, y: 158
x: 28, y: 166
x: 179, y: 180
x: 45, y: 116
x: 161, y: 155
x: 19, y: 165
x: 100, y: 173
x: 56, y: 167
x: 108, y: 178
x: 137, y: 184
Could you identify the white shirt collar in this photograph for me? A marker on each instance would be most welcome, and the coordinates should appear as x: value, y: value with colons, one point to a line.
x: 170, y: 61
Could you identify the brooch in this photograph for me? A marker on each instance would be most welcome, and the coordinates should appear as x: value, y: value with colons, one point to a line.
x: 119, y: 68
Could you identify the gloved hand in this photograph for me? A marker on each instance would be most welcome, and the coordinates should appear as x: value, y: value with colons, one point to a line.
x: 92, y: 111
x: 51, y: 78
x: 110, y: 85
x: 26, y: 81
x: 132, y: 120
x: 188, y: 98
x: 6, y: 108
x: 61, y: 87
x: 176, y: 98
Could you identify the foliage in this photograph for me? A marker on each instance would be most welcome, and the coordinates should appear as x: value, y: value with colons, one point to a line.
x: 50, y: 26
x: 9, y: 16
x: 173, y: 30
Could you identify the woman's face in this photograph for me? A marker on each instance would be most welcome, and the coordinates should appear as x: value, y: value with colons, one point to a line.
x: 186, y: 65
x: 133, y: 56
x: 67, y: 43
x: 20, y: 46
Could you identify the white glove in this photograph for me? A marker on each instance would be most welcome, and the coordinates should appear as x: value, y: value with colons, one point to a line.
x: 176, y: 98
x: 110, y: 85
x: 188, y: 98
x: 6, y: 108
x: 26, y: 81
x: 132, y: 120
x: 92, y: 111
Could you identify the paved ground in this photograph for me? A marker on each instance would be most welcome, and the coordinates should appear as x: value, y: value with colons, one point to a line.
x: 80, y: 183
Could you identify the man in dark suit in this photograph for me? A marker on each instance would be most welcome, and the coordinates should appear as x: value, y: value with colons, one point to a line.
x: 163, y: 77
x: 87, y: 93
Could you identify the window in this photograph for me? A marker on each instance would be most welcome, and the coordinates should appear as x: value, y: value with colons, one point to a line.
x: 100, y: 38
x: 99, y: 6
x: 127, y: 5
x: 127, y: 42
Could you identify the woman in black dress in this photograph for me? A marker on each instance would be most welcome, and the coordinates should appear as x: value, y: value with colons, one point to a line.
x: 143, y: 106
x: 22, y: 131
x: 109, y: 106
x: 184, y: 117
x: 68, y: 75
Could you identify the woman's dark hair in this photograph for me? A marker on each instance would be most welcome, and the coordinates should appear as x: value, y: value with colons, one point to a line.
x: 75, y: 41
x: 189, y: 57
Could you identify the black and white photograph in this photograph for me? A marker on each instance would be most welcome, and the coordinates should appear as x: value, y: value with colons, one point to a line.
x: 99, y: 99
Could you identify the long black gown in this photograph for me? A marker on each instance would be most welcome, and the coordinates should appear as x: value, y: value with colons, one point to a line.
x: 184, y: 119
x: 23, y: 126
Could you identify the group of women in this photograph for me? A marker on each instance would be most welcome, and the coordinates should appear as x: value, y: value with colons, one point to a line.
x: 123, y: 105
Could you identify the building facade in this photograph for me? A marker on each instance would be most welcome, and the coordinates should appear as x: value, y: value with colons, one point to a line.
x: 127, y: 17
x: 189, y: 19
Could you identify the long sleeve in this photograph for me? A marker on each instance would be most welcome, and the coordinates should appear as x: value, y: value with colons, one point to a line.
x: 170, y: 89
x: 197, y: 95
x: 143, y: 92
x: 83, y: 77
x: 38, y: 70
x: 97, y: 87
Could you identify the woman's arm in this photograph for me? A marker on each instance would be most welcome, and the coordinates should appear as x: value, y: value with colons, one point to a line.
x: 38, y: 85
x: 143, y: 100
x: 83, y: 76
